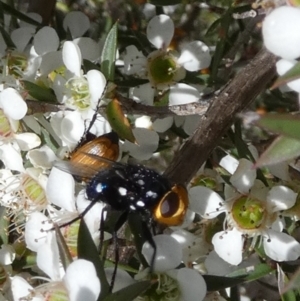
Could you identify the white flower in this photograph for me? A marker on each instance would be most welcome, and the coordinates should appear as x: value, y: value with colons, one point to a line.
x: 12, y: 109
x: 70, y: 126
x: 250, y: 213
x: 146, y: 144
x: 281, y: 32
x: 182, y: 284
x: 165, y: 68
x: 78, y: 91
x: 72, y: 286
x: 25, y: 192
x: 63, y: 196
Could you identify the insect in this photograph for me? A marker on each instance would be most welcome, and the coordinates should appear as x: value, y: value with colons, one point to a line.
x: 127, y: 188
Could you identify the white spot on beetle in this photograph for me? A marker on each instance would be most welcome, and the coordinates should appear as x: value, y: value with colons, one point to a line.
x: 140, y: 203
x: 151, y: 194
x: 99, y: 188
x: 132, y: 207
x: 141, y: 182
x: 122, y: 191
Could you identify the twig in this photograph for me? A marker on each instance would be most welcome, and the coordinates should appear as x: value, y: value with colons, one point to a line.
x: 131, y: 107
x: 238, y: 94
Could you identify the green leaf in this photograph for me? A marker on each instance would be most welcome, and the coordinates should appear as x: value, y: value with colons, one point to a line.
x: 11, y: 11
x: 282, y: 149
x: 118, y: 121
x: 108, y: 56
x: 130, y: 292
x: 290, y: 75
x: 40, y: 93
x: 282, y: 124
x: 87, y: 250
x: 282, y: 279
x: 225, y: 22
x: 164, y: 2
x: 6, y: 37
x: 294, y: 282
x: 215, y: 283
x: 257, y: 272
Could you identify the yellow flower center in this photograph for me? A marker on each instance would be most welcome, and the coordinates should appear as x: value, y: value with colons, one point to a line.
x: 80, y: 94
x: 248, y: 213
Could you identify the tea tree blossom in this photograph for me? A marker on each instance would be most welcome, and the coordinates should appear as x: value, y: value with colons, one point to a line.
x: 72, y: 286
x: 252, y: 212
x: 163, y: 67
x: 173, y: 284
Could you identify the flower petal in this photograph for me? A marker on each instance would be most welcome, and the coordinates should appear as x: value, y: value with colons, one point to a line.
x: 281, y: 32
x: 281, y: 246
x: 48, y: 257
x: 11, y: 157
x: 281, y: 197
x: 147, y: 143
x: 143, y: 94
x: 97, y: 82
x: 72, y: 57
x: 181, y: 94
x: 160, y: 31
x: 27, y: 141
x: 35, y: 230
x: 46, y: 40
x: 43, y: 157
x: 21, y: 37
x: 205, y: 201
x: 191, y: 284
x: 229, y: 163
x: 77, y: 23
x: 82, y: 288
x: 58, y: 194
x: 72, y: 128
x: 168, y: 253
x: 13, y: 104
x: 244, y: 176
x: 134, y: 62
x: 21, y: 289
x: 90, y: 50
x: 194, y: 56
x: 160, y: 125
x: 229, y: 245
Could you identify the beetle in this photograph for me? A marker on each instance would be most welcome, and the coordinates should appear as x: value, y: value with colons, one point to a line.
x: 127, y: 188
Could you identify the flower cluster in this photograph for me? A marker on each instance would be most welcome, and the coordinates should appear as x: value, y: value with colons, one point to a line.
x: 234, y: 213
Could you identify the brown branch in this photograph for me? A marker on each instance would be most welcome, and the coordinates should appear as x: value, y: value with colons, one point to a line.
x: 130, y: 107
x: 238, y: 94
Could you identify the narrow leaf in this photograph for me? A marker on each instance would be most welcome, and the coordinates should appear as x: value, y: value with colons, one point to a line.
x: 40, y: 93
x: 282, y: 149
x: 6, y: 37
x: 118, y: 121
x: 108, y: 56
x: 253, y: 273
x: 282, y: 124
x: 87, y: 250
